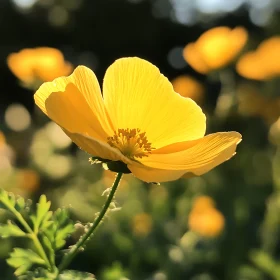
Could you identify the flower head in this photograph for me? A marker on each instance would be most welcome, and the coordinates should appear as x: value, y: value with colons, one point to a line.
x: 215, y: 48
x: 139, y: 121
x: 33, y: 66
x: 205, y: 219
x: 263, y: 63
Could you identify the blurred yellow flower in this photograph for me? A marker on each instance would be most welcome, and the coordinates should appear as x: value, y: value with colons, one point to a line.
x: 139, y: 122
x: 252, y: 103
x: 142, y: 224
x: 2, y: 139
x: 215, y: 48
x: 34, y: 66
x: 187, y: 86
x: 263, y: 63
x: 205, y: 219
x: 203, y: 202
x: 28, y: 180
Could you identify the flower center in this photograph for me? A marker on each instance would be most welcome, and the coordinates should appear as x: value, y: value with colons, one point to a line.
x: 131, y: 142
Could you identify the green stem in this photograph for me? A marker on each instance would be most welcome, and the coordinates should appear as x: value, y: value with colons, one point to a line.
x: 75, y: 249
x: 32, y: 235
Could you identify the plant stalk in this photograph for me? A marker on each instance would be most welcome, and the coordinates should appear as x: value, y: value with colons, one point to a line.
x: 75, y: 249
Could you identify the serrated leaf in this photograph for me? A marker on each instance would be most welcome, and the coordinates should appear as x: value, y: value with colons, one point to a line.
x: 22, y: 269
x: 20, y: 204
x: 62, y: 234
x: 23, y: 259
x: 77, y: 275
x: 10, y: 229
x: 39, y: 274
x: 42, y: 213
x: 59, y: 230
x: 49, y: 246
x: 7, y: 199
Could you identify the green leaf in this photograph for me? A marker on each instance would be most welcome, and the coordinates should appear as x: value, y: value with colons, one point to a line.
x: 58, y: 231
x: 42, y: 217
x: 23, y: 259
x: 7, y: 199
x: 77, y: 275
x: 10, y: 230
x: 49, y: 246
x: 20, y: 204
x: 39, y: 274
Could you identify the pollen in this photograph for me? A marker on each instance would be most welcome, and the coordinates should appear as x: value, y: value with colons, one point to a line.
x: 131, y: 142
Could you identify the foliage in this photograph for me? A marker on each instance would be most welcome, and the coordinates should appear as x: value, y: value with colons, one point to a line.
x: 47, y: 230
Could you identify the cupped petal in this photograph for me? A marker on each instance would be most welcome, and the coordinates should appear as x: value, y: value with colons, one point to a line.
x: 155, y: 175
x: 198, y: 156
x: 137, y: 95
x: 96, y: 148
x: 75, y: 103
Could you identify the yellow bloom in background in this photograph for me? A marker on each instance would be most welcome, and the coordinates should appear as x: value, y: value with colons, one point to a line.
x: 263, y: 63
x: 252, y: 103
x: 187, y: 86
x: 2, y: 139
x: 33, y: 66
x: 203, y: 202
x: 205, y: 219
x: 215, y: 48
x: 28, y: 180
x: 139, y: 121
x: 142, y: 224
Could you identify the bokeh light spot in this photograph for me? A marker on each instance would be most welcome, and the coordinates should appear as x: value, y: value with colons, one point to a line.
x: 57, y: 136
x: 175, y: 58
x: 58, y: 16
x: 24, y: 4
x: 17, y: 118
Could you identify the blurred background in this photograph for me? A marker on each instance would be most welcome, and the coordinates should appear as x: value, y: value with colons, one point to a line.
x: 224, y: 225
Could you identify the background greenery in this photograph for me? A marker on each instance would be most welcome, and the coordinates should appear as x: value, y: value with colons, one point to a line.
x: 149, y: 237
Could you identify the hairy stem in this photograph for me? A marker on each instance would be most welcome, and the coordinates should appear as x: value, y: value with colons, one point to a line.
x: 75, y: 249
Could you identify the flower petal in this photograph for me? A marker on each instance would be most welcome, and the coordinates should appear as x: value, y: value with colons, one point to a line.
x: 197, y: 156
x: 194, y: 58
x: 75, y: 103
x: 251, y: 66
x: 154, y: 175
x: 96, y: 148
x: 50, y: 64
x: 218, y: 46
x: 138, y: 96
x: 21, y: 64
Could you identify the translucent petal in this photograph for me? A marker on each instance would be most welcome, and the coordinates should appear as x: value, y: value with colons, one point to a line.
x: 75, y: 103
x: 137, y: 96
x: 97, y: 148
x: 197, y: 157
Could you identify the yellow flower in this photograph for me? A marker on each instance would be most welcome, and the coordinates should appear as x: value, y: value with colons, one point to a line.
x: 142, y: 224
x: 28, y: 180
x: 187, y: 86
x: 262, y: 64
x: 2, y: 139
x: 215, y: 48
x: 139, y: 122
x: 208, y: 222
x: 203, y: 202
x: 252, y: 103
x: 33, y: 66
